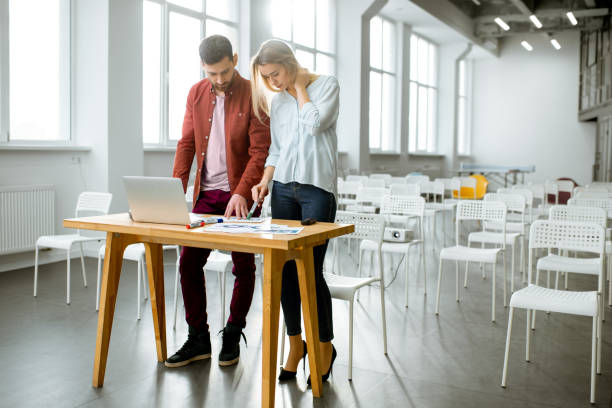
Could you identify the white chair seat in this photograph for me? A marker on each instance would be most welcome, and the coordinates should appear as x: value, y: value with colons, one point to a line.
x: 367, y: 209
x: 492, y: 237
x: 430, y: 212
x: 63, y: 241
x: 445, y: 206
x: 344, y: 287
x: 463, y: 253
x: 346, y: 201
x: 132, y: 252
x: 589, y: 266
x: 510, y: 226
x: 561, y: 301
x: 394, y: 247
x: 218, y: 261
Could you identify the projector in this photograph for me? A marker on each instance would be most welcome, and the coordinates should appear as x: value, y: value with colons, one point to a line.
x: 398, y: 235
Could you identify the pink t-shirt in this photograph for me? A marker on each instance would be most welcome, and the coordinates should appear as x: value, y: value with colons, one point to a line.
x: 214, y: 171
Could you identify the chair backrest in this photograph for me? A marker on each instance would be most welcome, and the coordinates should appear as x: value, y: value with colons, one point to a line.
x: 601, y: 184
x: 580, y: 189
x: 383, y: 176
x: 514, y: 202
x: 433, y: 189
x: 375, y: 182
x: 468, y: 182
x: 451, y: 186
x: 398, y: 180
x: 353, y: 177
x: 349, y: 188
x: 566, y: 185
x: 416, y: 179
x: 577, y: 213
x: 189, y: 194
x: 90, y: 201
x: 567, y: 235
x: 367, y: 226
x: 592, y: 194
x: 405, y: 189
x: 403, y: 205
x: 472, y: 210
x: 373, y: 195
x: 605, y: 203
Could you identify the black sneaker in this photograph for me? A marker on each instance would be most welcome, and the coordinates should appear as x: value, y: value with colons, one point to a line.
x: 197, y: 347
x: 230, y: 350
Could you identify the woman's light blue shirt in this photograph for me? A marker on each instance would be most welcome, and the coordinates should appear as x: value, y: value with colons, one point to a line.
x: 304, y: 142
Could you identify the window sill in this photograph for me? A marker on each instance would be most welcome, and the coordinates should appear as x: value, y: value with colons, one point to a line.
x: 432, y: 155
x: 157, y: 149
x: 41, y: 147
x: 385, y: 153
x: 465, y: 156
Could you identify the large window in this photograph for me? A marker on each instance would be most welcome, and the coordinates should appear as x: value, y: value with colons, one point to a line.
x: 463, y: 108
x: 308, y: 26
x: 172, y: 30
x: 383, y: 85
x: 34, y: 70
x: 423, y: 95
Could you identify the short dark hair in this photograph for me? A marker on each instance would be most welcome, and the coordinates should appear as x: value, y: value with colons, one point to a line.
x: 214, y: 48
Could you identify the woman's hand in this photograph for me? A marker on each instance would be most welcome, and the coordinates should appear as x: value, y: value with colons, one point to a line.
x: 302, y: 77
x: 260, y: 191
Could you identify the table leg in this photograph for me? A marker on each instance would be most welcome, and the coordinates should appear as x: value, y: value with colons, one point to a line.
x: 155, y: 271
x: 308, y: 295
x: 113, y: 258
x: 274, y: 260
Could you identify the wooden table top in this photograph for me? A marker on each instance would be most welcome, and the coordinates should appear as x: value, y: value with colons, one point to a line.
x: 199, y: 237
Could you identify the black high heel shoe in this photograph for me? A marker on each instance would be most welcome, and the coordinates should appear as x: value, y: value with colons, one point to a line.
x: 325, y: 376
x: 286, y: 375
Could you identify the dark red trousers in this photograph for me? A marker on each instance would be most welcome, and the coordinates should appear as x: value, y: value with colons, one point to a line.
x: 193, y: 282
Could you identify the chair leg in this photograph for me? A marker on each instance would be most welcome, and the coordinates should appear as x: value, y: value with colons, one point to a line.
x: 522, y: 258
x: 482, y: 271
x: 438, y: 290
x: 83, y: 265
x: 599, y: 336
x: 493, y: 293
x: 139, y: 273
x: 528, y: 334
x: 424, y: 269
x: 361, y: 263
x: 513, y: 267
x: 144, y: 278
x: 594, y: 357
x: 98, y: 282
x: 350, y: 364
x: 457, y: 280
x: 507, y: 352
x: 176, y: 281
x: 381, y: 270
x: 609, y: 268
x: 36, y: 271
x: 407, y: 264
x: 505, y: 280
x: 68, y: 276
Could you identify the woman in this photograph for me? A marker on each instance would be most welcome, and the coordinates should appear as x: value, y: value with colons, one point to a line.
x: 302, y: 164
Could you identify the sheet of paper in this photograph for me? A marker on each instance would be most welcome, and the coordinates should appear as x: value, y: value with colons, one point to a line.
x: 253, y: 220
x: 242, y: 228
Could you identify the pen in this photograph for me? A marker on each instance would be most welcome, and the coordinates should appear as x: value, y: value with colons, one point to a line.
x: 211, y: 220
x: 250, y: 214
x: 195, y: 224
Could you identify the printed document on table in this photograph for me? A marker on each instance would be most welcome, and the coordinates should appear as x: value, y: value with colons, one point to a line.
x: 252, y: 220
x: 243, y: 228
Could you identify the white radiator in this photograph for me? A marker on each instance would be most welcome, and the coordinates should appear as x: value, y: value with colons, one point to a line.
x: 26, y: 212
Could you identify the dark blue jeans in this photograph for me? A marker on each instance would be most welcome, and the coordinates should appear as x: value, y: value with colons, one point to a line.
x: 295, y: 201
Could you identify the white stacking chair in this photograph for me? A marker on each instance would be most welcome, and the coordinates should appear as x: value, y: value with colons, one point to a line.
x: 540, y: 205
x: 566, y: 186
x: 347, y: 193
x: 492, y: 235
x: 571, y: 236
x: 473, y: 210
x: 397, y: 180
x: 436, y: 204
x: 593, y: 189
x: 367, y: 227
x: 592, y: 194
x: 404, y: 207
x: 375, y: 182
x: 405, y: 190
x: 582, y: 214
x: 359, y: 179
x: 368, y: 200
x: 88, y: 203
x: 136, y: 253
x: 467, y: 182
x: 381, y: 176
x: 416, y: 178
x: 551, y: 188
x: 217, y: 262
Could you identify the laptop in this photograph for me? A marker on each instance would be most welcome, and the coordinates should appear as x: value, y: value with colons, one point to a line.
x: 158, y: 200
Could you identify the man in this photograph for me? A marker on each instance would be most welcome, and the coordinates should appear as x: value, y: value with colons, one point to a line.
x: 230, y: 146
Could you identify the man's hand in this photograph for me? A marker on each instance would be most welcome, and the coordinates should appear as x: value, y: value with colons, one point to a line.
x: 237, y: 204
x: 259, y: 191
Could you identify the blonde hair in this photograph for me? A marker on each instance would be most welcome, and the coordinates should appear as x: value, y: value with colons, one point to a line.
x: 270, y: 52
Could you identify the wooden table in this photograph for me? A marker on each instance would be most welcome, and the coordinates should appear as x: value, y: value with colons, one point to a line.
x: 277, y: 249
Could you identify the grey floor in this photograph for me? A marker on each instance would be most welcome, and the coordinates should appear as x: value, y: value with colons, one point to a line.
x: 454, y: 360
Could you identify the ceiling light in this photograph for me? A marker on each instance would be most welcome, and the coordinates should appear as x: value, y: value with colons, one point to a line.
x: 502, y: 23
x: 555, y: 44
x: 526, y: 45
x: 535, y: 21
x: 476, y: 2
x: 572, y: 18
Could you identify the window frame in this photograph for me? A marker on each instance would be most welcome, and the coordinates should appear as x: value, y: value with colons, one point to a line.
x: 467, y: 98
x: 433, y: 143
x: 314, y: 50
x: 168, y: 7
x: 395, y: 142
x: 65, y: 79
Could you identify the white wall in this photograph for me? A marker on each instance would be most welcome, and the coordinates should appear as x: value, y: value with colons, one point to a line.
x: 526, y: 110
